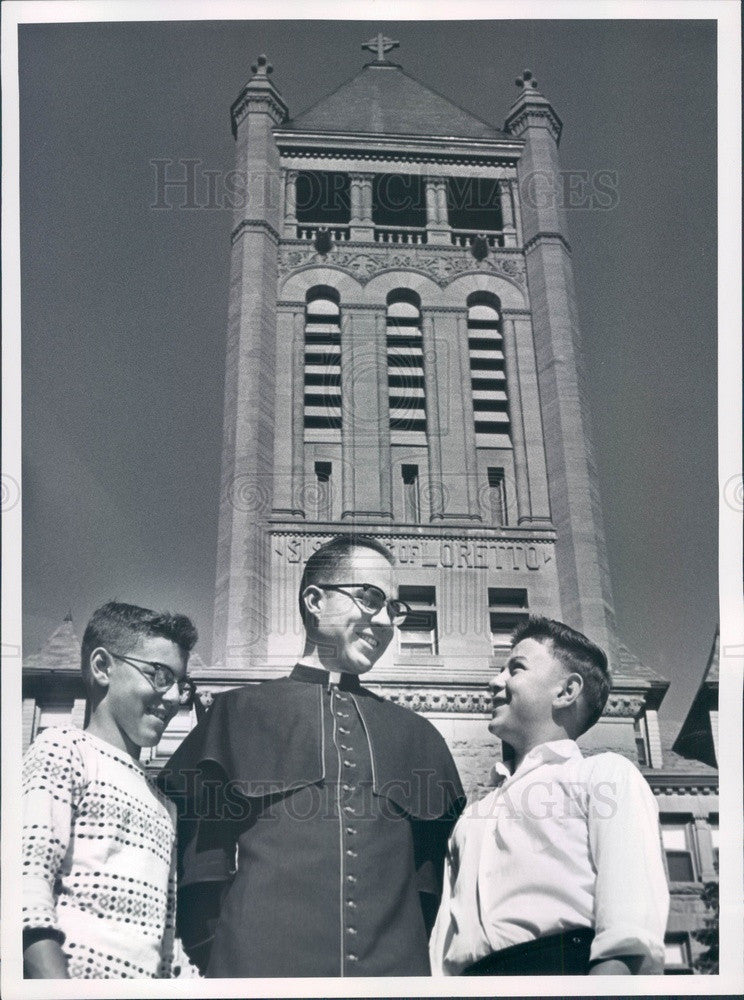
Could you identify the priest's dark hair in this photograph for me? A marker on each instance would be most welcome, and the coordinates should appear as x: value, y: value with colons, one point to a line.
x: 118, y: 626
x: 579, y: 655
x: 323, y: 563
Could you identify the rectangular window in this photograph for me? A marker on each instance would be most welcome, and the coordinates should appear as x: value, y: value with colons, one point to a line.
x: 714, y: 836
x: 497, y: 496
x: 641, y: 741
x: 411, y: 509
x: 507, y: 608
x: 676, y: 838
x: 677, y: 955
x: 323, y: 484
x: 418, y: 633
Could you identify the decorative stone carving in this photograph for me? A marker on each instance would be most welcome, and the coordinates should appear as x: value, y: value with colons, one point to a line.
x: 437, y: 699
x: 442, y: 264
x: 624, y: 705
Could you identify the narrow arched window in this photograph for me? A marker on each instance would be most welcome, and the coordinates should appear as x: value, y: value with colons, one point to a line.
x: 322, y: 364
x: 487, y: 373
x: 405, y: 361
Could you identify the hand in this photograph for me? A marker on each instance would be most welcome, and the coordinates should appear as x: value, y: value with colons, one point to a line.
x: 44, y: 959
x: 626, y: 965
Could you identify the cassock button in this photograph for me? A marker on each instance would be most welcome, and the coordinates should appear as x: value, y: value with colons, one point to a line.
x: 349, y: 763
x: 351, y: 854
x: 351, y: 830
x: 346, y: 788
x: 351, y: 930
x: 342, y: 730
x: 351, y: 958
x: 351, y: 904
x: 349, y: 809
x: 351, y: 879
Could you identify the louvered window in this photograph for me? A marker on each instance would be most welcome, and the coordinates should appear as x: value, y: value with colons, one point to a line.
x: 488, y: 377
x: 322, y: 369
x: 405, y: 361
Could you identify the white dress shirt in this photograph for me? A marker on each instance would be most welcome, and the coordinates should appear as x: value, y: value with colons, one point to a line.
x: 564, y: 842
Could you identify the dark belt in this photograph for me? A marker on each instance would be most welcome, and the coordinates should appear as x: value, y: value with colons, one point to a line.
x: 564, y: 954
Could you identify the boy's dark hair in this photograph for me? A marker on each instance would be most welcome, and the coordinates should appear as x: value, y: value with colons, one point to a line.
x: 323, y: 563
x: 578, y: 654
x: 117, y: 625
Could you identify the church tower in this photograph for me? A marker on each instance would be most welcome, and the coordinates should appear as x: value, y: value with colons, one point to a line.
x: 404, y: 360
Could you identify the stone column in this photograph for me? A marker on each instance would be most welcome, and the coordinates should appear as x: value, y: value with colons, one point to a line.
x: 290, y: 203
x: 447, y: 389
x: 514, y: 187
x: 360, y: 222
x: 365, y: 422
x: 436, y: 502
x: 28, y: 713
x: 534, y: 443
x: 705, y: 849
x: 507, y: 214
x: 514, y: 396
x: 655, y: 757
x: 287, y: 454
x: 437, y: 226
x: 77, y: 715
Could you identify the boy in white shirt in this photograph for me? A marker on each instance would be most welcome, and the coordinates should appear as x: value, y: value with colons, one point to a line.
x: 98, y: 880
x: 559, y: 870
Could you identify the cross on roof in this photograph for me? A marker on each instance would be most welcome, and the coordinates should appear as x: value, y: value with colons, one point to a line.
x: 526, y: 81
x: 380, y: 45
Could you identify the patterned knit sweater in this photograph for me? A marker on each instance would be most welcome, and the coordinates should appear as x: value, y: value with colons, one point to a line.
x: 99, y: 859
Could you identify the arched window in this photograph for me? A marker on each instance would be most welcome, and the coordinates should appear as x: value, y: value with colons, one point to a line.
x: 322, y: 364
x: 487, y: 374
x: 405, y: 365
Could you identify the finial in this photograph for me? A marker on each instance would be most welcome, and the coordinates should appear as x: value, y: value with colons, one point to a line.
x: 262, y: 66
x: 68, y: 616
x: 380, y: 45
x: 525, y: 81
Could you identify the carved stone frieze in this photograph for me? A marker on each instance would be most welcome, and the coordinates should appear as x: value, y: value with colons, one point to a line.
x: 624, y: 705
x: 437, y: 699
x: 442, y: 264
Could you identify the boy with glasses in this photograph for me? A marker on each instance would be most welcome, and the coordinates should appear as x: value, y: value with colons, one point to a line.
x: 317, y: 844
x: 98, y: 837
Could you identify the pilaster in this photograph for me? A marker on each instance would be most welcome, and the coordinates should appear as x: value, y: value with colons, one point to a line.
x: 246, y: 487
x: 586, y: 598
x: 437, y: 223
x: 360, y: 223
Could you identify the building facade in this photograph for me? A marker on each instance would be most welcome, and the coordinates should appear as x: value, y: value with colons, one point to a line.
x: 404, y: 360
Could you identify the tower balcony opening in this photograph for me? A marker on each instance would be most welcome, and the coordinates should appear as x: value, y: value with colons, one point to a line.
x: 474, y: 208
x: 322, y: 201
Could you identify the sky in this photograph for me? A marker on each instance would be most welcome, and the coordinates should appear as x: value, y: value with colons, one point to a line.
x: 124, y: 306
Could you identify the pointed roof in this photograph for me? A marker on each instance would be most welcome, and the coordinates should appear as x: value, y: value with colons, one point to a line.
x: 696, y: 738
x: 630, y: 667
x: 384, y: 100
x: 61, y: 651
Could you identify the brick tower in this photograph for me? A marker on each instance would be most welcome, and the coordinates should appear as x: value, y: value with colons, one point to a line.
x: 403, y: 359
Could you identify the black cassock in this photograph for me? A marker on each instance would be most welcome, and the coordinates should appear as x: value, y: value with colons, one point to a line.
x: 313, y: 823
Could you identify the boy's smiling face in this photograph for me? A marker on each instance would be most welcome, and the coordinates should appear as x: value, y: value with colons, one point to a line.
x: 133, y: 714
x: 524, y: 692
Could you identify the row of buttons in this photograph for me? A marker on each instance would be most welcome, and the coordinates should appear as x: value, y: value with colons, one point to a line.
x: 351, y: 879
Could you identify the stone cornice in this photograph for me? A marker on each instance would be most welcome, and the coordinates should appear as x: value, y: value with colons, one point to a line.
x: 681, y: 784
x: 545, y: 237
x: 530, y: 115
x: 366, y: 261
x: 506, y: 536
x: 263, y: 99
x: 499, y: 153
x: 248, y: 224
x: 624, y: 706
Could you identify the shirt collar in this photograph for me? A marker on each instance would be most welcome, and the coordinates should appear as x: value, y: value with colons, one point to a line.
x: 318, y: 675
x: 541, y: 754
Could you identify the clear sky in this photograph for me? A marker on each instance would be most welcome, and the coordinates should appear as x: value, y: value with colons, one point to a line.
x: 124, y: 306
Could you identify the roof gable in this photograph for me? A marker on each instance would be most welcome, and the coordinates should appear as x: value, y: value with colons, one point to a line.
x: 383, y: 100
x: 61, y: 651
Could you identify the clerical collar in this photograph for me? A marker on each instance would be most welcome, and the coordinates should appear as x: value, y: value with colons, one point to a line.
x: 317, y: 675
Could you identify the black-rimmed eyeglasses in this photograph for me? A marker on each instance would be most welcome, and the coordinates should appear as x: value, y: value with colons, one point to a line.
x: 162, y: 678
x: 371, y: 599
